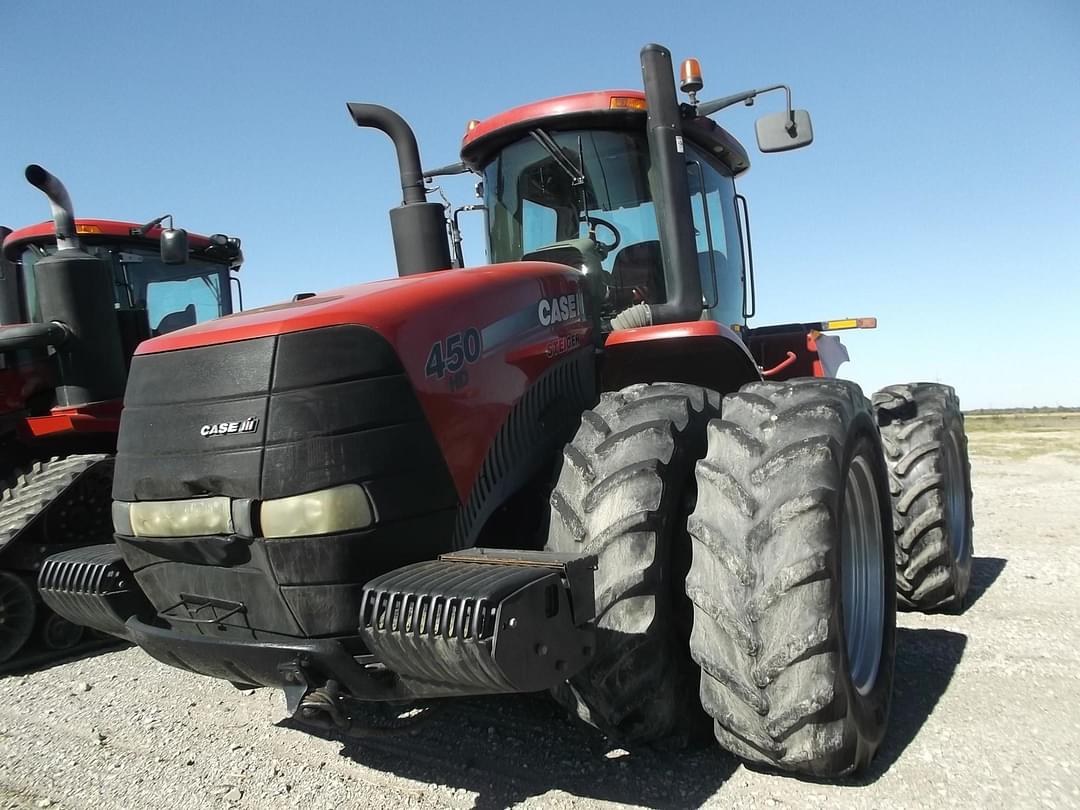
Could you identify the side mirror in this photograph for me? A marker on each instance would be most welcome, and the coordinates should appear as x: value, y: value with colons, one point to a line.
x: 174, y: 246
x: 777, y: 132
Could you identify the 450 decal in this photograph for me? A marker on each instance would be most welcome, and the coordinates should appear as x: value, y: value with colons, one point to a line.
x: 452, y: 353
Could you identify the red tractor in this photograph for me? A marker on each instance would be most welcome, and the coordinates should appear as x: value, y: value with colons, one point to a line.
x: 76, y: 297
x: 575, y: 468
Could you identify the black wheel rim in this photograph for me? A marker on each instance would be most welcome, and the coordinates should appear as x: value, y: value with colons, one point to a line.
x: 863, y: 574
x: 956, y: 503
x: 16, y: 614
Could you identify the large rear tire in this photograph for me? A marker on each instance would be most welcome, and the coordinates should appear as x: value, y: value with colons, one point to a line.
x: 922, y: 429
x: 623, y: 493
x: 791, y: 578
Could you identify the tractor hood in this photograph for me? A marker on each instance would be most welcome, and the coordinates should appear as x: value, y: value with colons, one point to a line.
x: 462, y: 345
x: 484, y: 293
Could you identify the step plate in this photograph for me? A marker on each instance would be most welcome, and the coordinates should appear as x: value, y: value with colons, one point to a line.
x: 477, y: 627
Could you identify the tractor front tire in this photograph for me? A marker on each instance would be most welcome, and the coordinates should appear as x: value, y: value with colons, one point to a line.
x: 922, y: 429
x: 791, y: 578
x: 623, y: 493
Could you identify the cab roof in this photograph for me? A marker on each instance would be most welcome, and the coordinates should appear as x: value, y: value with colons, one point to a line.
x: 615, y: 109
x: 92, y: 231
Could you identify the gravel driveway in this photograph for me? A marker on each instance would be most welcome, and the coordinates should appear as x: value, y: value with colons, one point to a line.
x: 986, y: 713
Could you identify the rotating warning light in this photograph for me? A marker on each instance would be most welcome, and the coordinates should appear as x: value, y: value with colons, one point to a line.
x: 690, y: 80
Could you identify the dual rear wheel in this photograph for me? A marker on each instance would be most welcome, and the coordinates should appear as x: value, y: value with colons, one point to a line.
x: 757, y: 535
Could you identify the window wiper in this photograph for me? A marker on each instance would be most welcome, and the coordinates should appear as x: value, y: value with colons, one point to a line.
x: 576, y: 174
x: 213, y: 289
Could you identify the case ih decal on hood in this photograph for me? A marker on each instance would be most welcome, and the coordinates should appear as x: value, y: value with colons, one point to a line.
x: 249, y: 425
x: 560, y: 308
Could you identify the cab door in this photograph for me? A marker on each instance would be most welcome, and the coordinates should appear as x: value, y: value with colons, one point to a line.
x: 719, y: 248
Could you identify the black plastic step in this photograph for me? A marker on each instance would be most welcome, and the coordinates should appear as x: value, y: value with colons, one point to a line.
x: 92, y: 586
x: 483, y: 621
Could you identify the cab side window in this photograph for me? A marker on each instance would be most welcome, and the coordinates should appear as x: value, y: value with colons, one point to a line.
x: 712, y: 201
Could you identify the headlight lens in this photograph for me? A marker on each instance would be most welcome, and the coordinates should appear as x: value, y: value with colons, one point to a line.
x: 337, y: 509
x: 187, y: 518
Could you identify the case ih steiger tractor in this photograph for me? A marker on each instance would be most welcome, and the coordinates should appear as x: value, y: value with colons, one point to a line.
x: 572, y: 469
x: 76, y: 297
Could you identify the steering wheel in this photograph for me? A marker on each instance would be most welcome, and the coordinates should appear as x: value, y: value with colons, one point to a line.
x: 604, y: 247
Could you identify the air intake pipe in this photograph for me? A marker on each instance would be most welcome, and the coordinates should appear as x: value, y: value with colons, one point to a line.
x: 674, y: 215
x: 418, y: 227
x: 75, y: 296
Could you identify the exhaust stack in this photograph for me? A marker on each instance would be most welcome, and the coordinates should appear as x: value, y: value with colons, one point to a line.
x: 418, y: 227
x: 60, y: 201
x: 677, y: 243
x: 10, y: 306
x: 75, y: 295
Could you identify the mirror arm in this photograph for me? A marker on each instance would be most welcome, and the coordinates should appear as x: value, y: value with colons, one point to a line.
x: 448, y: 169
x: 142, y: 230
x: 709, y: 107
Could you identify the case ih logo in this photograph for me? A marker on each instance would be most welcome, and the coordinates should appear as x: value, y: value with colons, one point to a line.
x: 559, y: 308
x: 249, y: 425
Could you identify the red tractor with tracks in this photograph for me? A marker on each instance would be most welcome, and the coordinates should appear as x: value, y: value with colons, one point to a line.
x: 573, y: 469
x: 76, y: 297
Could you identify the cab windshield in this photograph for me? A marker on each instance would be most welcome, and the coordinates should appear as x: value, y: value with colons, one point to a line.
x: 174, y: 296
x: 553, y: 187
x: 534, y: 200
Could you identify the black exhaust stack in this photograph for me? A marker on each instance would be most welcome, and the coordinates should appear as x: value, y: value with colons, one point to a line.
x: 75, y: 294
x: 10, y: 305
x: 673, y: 212
x: 418, y: 227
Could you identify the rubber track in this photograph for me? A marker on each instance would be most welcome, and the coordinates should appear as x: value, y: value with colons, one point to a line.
x: 621, y: 495
x: 37, y: 488
x: 913, y: 420
x: 763, y: 533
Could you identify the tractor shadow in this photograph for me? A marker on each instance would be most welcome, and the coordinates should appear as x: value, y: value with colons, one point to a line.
x: 510, y: 748
x: 926, y: 660
x: 36, y: 659
x: 984, y: 573
x: 513, y: 747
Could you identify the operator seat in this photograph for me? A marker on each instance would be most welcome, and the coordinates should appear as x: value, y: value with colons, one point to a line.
x: 638, y: 274
x: 176, y: 320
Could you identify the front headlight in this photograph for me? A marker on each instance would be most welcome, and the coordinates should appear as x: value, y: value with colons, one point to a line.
x: 188, y: 518
x: 327, y: 511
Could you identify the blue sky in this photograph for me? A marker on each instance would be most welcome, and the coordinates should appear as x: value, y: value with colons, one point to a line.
x: 942, y: 193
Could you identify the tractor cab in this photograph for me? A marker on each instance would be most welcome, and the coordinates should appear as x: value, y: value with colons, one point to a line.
x: 157, y: 292
x: 571, y: 180
x: 77, y: 296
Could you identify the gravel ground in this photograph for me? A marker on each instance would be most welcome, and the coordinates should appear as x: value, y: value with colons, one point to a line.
x: 986, y: 713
